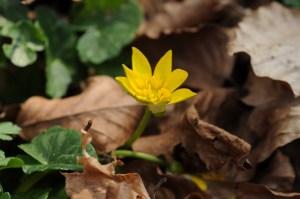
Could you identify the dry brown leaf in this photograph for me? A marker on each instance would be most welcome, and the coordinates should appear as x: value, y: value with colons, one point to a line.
x: 203, y: 54
x: 168, y: 16
x: 100, y: 182
x: 270, y: 35
x: 257, y: 191
x: 161, y: 185
x: 214, y: 146
x: 114, y: 113
x: 225, y: 190
x: 279, y: 175
x: 279, y: 126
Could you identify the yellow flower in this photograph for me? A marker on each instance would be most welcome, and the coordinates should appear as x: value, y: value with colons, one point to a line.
x: 158, y: 89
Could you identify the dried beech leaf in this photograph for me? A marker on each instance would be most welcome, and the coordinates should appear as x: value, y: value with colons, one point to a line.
x: 99, y: 182
x: 165, y: 17
x: 163, y: 186
x: 114, y: 113
x: 270, y: 35
x: 254, y: 191
x: 279, y: 125
x: 280, y: 174
x: 203, y: 54
x: 244, y: 190
x: 214, y: 146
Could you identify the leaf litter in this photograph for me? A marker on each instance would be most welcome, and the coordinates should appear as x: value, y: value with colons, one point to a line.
x: 235, y: 134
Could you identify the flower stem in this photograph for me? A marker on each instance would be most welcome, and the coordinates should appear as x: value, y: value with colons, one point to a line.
x: 139, y: 155
x: 140, y: 129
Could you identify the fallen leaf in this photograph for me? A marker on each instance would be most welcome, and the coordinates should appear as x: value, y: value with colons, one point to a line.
x: 254, y: 191
x: 114, y: 113
x: 280, y: 174
x: 246, y: 190
x: 270, y: 35
x: 278, y: 127
x: 165, y: 17
x: 203, y: 54
x: 100, y: 182
x: 161, y: 185
x: 214, y: 146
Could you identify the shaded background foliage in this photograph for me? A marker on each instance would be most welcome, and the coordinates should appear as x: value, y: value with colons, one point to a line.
x: 57, y: 44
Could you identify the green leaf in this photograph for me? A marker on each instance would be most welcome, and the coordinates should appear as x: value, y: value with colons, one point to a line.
x: 33, y: 194
x: 58, y: 194
x: 58, y: 78
x: 9, y: 162
x: 107, y: 31
x: 55, y: 149
x: 12, y: 10
x: 60, y: 51
x: 5, y: 195
x: 27, y: 40
x: 7, y: 129
x: 292, y: 3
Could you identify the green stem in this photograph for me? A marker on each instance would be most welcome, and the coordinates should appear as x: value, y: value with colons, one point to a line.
x: 29, y: 181
x: 139, y: 155
x: 140, y: 129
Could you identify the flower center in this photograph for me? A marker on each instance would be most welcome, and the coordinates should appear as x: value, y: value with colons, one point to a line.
x: 151, y: 90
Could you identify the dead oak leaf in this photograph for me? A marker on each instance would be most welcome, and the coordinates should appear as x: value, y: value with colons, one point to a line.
x: 270, y: 35
x: 114, y: 113
x: 100, y: 182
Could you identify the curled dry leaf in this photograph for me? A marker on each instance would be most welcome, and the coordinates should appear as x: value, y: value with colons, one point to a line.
x: 214, y: 146
x: 100, y: 182
x: 254, y: 191
x: 203, y: 54
x: 280, y: 174
x: 270, y: 35
x: 167, y: 16
x: 225, y: 190
x: 279, y: 125
x: 114, y: 113
x: 161, y: 185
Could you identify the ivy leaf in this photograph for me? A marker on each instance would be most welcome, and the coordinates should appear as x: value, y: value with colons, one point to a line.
x: 35, y: 193
x: 105, y: 37
x: 60, y: 51
x: 27, y: 40
x: 55, y: 149
x: 7, y: 129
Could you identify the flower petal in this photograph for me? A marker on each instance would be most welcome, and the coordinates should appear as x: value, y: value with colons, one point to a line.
x: 140, y: 64
x: 181, y: 94
x: 132, y: 78
x: 175, y: 79
x: 163, y: 67
x: 129, y: 73
x: 125, y: 83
